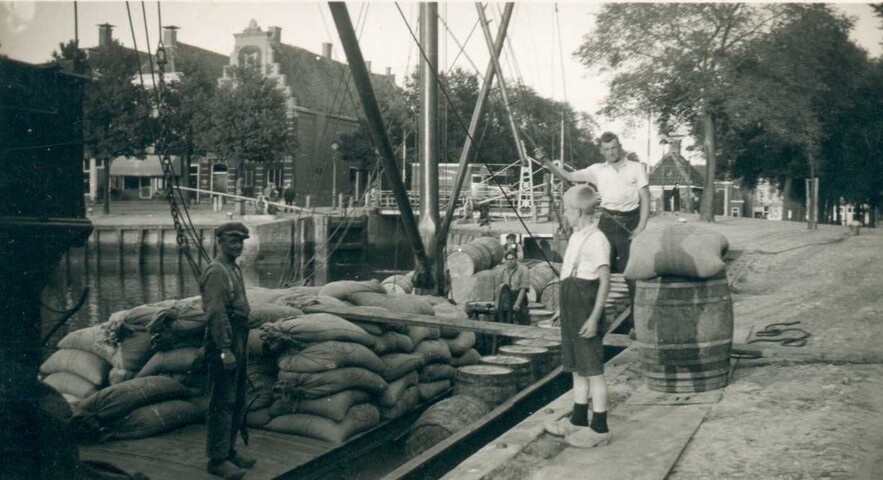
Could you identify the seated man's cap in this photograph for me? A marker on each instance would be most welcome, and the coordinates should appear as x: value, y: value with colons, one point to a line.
x: 232, y: 228
x: 510, y: 254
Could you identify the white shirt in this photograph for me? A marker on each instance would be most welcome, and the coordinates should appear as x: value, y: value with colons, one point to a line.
x: 618, y: 188
x: 587, y: 251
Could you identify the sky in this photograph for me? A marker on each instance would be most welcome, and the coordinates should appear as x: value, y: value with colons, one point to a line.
x: 542, y: 40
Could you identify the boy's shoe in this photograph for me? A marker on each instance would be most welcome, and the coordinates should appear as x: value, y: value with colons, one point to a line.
x: 242, y: 460
x: 587, y: 438
x: 226, y: 470
x: 562, y: 427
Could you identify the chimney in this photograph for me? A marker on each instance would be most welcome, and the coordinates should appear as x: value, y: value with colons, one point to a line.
x: 388, y: 71
x: 275, y: 34
x: 170, y: 41
x: 674, y: 146
x: 105, y: 34
x: 170, y: 35
x: 326, y: 50
x: 368, y: 65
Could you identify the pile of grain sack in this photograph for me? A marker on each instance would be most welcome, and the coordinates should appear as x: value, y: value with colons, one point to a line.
x: 141, y: 373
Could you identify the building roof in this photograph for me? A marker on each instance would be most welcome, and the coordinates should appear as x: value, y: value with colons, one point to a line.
x: 674, y: 169
x: 316, y: 82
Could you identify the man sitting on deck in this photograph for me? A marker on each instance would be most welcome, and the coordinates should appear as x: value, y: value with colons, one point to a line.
x: 514, y: 282
x: 585, y: 280
x: 226, y: 337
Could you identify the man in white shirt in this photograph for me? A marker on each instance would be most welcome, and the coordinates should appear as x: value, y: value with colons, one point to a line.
x: 623, y: 186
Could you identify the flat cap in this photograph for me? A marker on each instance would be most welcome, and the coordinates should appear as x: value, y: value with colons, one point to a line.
x: 232, y: 228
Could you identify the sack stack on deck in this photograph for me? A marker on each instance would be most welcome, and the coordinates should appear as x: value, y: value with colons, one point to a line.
x: 137, y: 408
x: 328, y: 376
x: 142, y: 372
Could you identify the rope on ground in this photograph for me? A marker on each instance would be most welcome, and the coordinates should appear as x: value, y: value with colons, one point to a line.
x: 775, y: 330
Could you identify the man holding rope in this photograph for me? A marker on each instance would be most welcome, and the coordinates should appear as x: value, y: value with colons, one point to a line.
x: 623, y: 186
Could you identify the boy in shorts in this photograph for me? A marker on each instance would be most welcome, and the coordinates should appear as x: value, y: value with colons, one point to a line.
x: 585, y: 281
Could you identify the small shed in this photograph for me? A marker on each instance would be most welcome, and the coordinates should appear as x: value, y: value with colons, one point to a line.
x: 675, y: 185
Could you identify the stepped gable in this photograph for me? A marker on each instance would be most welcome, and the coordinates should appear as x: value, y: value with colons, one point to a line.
x: 317, y: 82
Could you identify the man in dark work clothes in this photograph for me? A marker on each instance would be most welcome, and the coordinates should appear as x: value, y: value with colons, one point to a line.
x: 226, y: 336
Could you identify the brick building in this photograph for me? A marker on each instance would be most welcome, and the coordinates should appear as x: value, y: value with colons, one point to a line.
x: 320, y: 97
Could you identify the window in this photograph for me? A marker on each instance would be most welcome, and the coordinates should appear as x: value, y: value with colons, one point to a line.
x: 274, y: 176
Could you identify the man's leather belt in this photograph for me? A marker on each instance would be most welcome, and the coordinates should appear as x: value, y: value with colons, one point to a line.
x: 617, y: 213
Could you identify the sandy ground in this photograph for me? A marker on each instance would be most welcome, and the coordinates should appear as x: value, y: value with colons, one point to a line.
x: 810, y: 412
x: 808, y: 418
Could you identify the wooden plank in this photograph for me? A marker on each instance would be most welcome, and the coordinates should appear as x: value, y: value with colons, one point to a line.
x: 373, y: 315
x: 502, y: 450
x: 647, y: 442
x: 180, y: 454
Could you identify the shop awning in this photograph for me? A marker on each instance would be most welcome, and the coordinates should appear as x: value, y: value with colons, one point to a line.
x: 150, y: 166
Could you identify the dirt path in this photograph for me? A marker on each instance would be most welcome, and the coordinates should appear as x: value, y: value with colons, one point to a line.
x: 810, y: 418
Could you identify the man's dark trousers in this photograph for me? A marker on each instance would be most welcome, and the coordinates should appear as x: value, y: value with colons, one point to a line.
x: 226, y: 400
x: 618, y: 228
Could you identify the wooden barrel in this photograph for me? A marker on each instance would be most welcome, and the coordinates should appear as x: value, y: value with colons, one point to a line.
x: 553, y: 347
x: 467, y: 259
x: 490, y: 384
x: 547, y: 324
x: 684, y: 331
x: 538, y: 315
x: 400, y: 284
x: 549, y: 297
x: 520, y: 366
x: 493, y: 247
x: 539, y: 357
x: 540, y: 276
x: 442, y: 420
x: 619, y: 300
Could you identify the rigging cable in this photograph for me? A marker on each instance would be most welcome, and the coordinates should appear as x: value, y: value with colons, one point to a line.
x: 466, y: 131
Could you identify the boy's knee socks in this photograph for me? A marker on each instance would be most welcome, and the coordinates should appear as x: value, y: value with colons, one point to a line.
x: 580, y: 415
x: 599, y: 422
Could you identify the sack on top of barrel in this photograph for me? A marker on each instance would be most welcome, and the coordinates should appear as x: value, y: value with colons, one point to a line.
x: 681, y: 250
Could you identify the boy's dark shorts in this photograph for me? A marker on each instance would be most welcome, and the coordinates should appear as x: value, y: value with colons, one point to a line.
x: 584, y: 356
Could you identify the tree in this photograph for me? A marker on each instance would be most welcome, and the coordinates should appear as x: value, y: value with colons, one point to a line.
x: 675, y: 59
x: 248, y: 123
x: 186, y: 110
x: 116, y: 113
x: 792, y: 108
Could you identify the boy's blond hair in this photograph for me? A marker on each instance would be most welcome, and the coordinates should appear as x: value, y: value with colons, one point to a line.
x: 581, y: 197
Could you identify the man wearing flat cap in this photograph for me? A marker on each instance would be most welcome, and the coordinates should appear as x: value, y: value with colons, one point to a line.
x: 226, y: 336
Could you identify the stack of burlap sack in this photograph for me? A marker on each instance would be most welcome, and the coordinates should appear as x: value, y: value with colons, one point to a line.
x: 337, y: 378
x: 142, y: 372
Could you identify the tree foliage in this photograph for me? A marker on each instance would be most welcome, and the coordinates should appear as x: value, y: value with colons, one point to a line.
x: 676, y: 59
x: 247, y: 122
x: 116, y: 113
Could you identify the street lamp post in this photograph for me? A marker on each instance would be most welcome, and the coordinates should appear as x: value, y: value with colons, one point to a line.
x: 336, y: 148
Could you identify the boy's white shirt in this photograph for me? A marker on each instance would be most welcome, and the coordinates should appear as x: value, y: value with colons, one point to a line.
x: 589, y: 250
